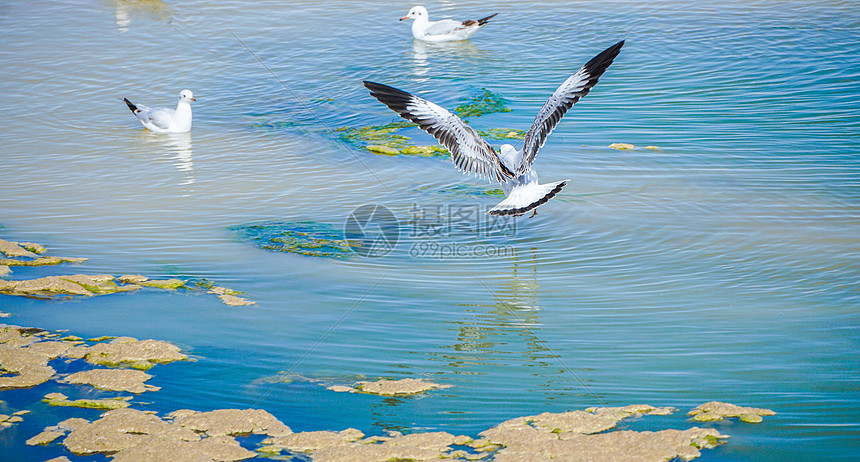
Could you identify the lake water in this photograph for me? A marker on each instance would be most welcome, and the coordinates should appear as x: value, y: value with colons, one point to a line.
x: 722, y: 266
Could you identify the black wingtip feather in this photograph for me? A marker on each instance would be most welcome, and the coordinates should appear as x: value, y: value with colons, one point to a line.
x: 598, y: 64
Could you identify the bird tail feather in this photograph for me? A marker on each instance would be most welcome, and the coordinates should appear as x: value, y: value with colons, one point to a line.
x: 131, y: 105
x: 526, y: 197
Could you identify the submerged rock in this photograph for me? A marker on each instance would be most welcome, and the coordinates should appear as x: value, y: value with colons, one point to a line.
x: 113, y: 380
x: 621, y: 146
x: 59, y: 399
x: 715, y: 410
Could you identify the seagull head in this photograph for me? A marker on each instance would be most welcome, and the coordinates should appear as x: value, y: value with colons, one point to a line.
x: 416, y: 12
x: 187, y: 96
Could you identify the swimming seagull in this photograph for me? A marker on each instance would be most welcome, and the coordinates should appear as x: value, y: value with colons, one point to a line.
x: 446, y: 30
x: 165, y: 120
x: 472, y: 154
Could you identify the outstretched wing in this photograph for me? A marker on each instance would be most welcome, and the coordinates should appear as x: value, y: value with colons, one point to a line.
x: 571, y: 91
x: 470, y: 152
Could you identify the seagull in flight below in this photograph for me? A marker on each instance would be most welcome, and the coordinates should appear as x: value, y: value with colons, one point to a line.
x: 472, y: 154
x: 446, y: 30
x: 165, y: 120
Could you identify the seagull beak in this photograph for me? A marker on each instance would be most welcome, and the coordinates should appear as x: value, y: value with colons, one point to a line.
x: 193, y: 99
x: 404, y: 18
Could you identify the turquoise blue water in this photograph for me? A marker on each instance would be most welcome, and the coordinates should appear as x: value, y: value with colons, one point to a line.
x: 723, y: 265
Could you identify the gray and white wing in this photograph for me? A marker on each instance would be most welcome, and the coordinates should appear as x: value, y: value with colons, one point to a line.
x: 572, y: 90
x: 161, y: 118
x: 443, y: 27
x: 470, y: 152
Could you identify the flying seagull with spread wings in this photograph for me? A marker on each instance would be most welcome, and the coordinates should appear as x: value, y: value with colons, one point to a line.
x: 472, y: 154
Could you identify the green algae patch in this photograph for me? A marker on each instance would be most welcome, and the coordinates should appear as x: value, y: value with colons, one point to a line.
x: 230, y: 297
x: 131, y: 435
x: 383, y: 150
x: 714, y: 411
x: 376, y: 135
x: 386, y: 141
x: 132, y: 381
x: 75, y: 284
x: 466, y: 190
x: 307, y: 238
x: 7, y: 420
x: 59, y: 399
x: 486, y: 102
x: 41, y: 261
x: 167, y: 284
x: 397, y: 387
x: 503, y: 134
x: 130, y: 352
x: 557, y: 436
x: 621, y: 146
x: 425, y: 151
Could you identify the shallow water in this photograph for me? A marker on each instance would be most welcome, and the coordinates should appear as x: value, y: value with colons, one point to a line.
x: 721, y: 266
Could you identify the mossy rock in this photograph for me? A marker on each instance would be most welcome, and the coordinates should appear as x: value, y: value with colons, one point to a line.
x: 303, y: 238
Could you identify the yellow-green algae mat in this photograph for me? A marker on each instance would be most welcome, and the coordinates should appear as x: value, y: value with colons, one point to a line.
x: 27, y: 254
x: 25, y: 353
x: 388, y: 139
x: 133, y: 435
x: 308, y: 238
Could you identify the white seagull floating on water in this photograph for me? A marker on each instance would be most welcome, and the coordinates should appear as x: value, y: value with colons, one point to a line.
x: 446, y: 30
x: 472, y: 154
x: 165, y: 120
